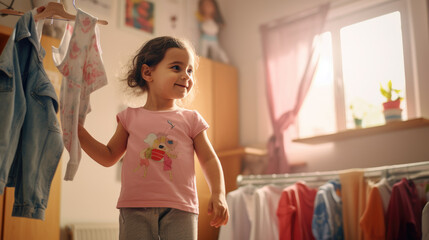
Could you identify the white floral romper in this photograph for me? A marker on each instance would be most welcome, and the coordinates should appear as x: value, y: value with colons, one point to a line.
x: 79, y: 60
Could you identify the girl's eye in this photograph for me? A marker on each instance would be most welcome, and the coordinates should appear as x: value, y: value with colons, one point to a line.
x: 190, y: 71
x: 176, y: 67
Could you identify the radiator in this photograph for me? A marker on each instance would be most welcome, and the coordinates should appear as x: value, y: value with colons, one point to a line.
x: 93, y: 231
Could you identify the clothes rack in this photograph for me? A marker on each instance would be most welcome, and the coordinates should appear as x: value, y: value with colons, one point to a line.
x: 399, y: 170
x: 52, y: 10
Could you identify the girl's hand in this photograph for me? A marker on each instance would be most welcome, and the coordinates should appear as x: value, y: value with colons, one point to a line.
x: 218, y: 209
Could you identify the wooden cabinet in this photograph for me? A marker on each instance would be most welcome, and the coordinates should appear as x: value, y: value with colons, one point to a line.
x: 216, y: 99
x: 17, y: 228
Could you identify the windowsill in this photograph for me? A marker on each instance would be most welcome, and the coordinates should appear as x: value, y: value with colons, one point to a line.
x: 361, y: 132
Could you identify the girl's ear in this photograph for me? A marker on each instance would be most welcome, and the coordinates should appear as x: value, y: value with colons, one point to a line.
x: 146, y: 72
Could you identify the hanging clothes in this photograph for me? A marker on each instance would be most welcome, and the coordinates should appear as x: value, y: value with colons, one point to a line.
x: 404, y: 214
x: 327, y: 220
x: 30, y: 136
x: 78, y: 58
x: 372, y: 222
x: 265, y: 225
x: 295, y: 212
x: 353, y: 195
x: 385, y: 190
x: 425, y: 222
x: 241, y: 205
x: 368, y: 204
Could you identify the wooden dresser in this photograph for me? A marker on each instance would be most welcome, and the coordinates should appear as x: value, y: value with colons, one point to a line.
x: 216, y: 99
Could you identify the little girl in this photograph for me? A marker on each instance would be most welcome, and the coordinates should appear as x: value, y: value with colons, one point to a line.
x: 158, y: 194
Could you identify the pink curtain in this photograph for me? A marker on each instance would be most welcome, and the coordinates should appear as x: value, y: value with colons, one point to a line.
x: 290, y: 59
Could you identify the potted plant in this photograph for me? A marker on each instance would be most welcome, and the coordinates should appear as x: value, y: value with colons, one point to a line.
x: 392, y: 107
x: 359, y: 110
x: 357, y: 116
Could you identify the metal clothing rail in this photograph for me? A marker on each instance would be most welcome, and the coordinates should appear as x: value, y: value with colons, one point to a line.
x: 407, y: 169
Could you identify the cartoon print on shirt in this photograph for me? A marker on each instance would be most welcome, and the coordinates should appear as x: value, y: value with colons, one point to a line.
x: 161, y: 149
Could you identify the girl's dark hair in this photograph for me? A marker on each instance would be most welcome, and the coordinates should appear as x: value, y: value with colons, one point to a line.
x: 151, y: 53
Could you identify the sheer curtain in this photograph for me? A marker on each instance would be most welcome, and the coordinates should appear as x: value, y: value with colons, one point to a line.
x: 290, y: 58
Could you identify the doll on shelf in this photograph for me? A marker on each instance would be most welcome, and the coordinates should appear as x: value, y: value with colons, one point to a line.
x: 210, y: 20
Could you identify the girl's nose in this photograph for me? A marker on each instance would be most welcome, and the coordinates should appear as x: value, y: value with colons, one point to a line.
x: 186, y: 76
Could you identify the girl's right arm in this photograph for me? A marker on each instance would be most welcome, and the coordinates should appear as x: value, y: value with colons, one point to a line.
x: 105, y: 155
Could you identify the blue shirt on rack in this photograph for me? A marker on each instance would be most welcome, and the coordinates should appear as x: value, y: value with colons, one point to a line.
x: 327, y: 219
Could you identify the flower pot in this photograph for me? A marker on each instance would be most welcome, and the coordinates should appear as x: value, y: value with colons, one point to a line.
x: 392, y: 115
x: 392, y: 111
x: 358, y: 122
x: 392, y: 104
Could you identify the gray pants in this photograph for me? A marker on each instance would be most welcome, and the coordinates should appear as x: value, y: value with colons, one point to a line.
x: 157, y: 223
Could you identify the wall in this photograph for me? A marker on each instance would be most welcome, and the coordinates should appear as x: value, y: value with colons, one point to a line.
x: 241, y: 40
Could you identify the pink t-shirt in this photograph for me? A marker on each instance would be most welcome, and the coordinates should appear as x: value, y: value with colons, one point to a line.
x: 158, y: 166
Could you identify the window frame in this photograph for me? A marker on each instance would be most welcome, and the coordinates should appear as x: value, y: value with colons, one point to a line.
x: 343, y: 16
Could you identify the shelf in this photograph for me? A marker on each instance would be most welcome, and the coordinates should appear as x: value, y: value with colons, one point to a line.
x: 242, y: 151
x: 362, y: 132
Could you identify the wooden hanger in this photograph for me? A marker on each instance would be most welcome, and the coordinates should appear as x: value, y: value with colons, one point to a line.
x: 8, y: 11
x: 52, y: 10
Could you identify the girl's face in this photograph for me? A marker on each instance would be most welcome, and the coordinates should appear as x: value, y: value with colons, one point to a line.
x: 173, y: 77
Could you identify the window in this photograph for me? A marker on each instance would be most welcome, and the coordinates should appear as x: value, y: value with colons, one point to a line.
x: 379, y: 42
x: 360, y: 51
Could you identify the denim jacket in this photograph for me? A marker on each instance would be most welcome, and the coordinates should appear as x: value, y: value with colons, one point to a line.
x: 30, y: 137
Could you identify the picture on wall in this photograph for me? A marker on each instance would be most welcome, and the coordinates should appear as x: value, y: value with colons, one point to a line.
x: 140, y: 14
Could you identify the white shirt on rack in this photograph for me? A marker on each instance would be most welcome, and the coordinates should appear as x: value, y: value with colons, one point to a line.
x: 240, y: 203
x: 265, y: 224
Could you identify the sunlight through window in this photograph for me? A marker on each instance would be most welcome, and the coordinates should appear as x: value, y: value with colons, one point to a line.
x: 317, y: 114
x: 372, y: 54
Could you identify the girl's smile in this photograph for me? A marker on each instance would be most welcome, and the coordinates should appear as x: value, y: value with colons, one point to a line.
x: 181, y: 85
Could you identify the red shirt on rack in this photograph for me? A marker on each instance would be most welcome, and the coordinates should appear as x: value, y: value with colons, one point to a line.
x: 295, y: 212
x: 404, y: 214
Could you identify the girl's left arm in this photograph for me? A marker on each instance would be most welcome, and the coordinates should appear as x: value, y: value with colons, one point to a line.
x: 213, y: 173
